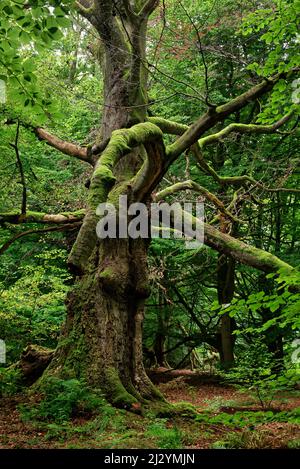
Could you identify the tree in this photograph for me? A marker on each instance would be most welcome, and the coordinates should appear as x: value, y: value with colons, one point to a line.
x: 101, y: 340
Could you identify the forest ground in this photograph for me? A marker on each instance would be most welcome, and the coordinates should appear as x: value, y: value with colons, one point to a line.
x: 226, y: 419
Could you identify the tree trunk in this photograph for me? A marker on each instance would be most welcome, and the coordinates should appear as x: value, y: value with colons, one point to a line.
x: 102, y: 337
x: 226, y: 267
x: 33, y: 361
x: 161, y: 333
x: 101, y: 340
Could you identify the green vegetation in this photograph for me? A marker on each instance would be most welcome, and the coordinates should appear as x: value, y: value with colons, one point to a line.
x: 152, y: 344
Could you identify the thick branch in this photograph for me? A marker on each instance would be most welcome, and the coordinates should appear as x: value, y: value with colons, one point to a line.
x: 148, y: 7
x: 191, y: 185
x: 67, y: 148
x: 151, y: 171
x: 65, y: 227
x: 237, y: 249
x: 242, y: 252
x: 213, y: 116
x: 121, y: 143
x: 16, y: 218
x: 167, y: 126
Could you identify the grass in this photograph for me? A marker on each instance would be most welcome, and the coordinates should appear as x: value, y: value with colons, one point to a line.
x: 69, y: 416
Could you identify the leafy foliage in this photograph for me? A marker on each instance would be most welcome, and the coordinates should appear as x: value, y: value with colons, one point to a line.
x: 62, y: 400
x: 10, y: 382
x: 257, y: 372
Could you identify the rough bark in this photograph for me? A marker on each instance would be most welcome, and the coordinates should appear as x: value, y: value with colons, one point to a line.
x: 101, y: 340
x: 225, y: 277
x: 33, y: 361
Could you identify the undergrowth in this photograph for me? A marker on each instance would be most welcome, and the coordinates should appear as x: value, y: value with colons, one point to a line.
x: 63, y: 400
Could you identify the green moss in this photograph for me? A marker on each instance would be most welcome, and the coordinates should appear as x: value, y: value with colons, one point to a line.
x: 104, y: 173
x: 107, y: 273
x: 167, y: 126
x: 167, y: 410
x: 122, y: 142
x: 117, y: 191
x: 115, y: 390
x: 77, y: 214
x: 35, y: 215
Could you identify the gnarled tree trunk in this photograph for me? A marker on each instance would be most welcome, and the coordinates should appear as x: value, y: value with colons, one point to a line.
x: 101, y: 340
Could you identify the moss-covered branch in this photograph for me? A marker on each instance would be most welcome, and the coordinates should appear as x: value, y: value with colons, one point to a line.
x: 121, y: 143
x: 219, y: 114
x: 151, y: 171
x: 242, y: 252
x: 191, y: 185
x: 244, y: 129
x: 167, y: 126
x: 17, y: 218
x: 174, y: 128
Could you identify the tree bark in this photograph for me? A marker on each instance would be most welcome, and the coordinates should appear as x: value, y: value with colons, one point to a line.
x: 33, y: 361
x: 225, y: 276
x: 101, y: 341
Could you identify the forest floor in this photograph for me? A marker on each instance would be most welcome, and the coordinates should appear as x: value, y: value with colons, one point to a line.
x: 225, y: 419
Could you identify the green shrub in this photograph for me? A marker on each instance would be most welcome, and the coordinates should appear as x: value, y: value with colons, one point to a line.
x: 242, y: 440
x: 63, y: 400
x: 246, y: 418
x: 10, y: 382
x: 166, y: 438
x: 294, y: 444
x: 254, y: 374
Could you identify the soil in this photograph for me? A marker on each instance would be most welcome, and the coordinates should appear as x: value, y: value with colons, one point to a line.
x: 128, y: 431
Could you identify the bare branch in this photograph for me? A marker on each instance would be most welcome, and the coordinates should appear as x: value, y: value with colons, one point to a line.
x: 70, y: 149
x: 66, y: 227
x: 21, y: 170
x: 218, y: 114
x: 201, y: 52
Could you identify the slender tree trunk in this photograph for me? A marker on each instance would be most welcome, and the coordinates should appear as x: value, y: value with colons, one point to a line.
x: 226, y: 267
x: 160, y: 335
